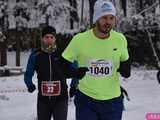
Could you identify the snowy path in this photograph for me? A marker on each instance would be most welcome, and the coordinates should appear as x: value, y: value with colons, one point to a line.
x: 142, y: 87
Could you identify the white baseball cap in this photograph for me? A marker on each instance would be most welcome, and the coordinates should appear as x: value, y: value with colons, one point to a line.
x: 103, y: 7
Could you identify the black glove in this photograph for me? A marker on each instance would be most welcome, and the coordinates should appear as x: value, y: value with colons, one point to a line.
x: 80, y: 73
x: 125, y: 69
x: 128, y: 98
x: 72, y: 91
x: 31, y: 88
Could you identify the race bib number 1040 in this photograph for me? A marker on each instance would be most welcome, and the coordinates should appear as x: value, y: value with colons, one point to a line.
x: 100, y: 68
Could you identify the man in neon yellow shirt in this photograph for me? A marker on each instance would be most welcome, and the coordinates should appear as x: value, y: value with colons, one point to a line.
x: 104, y: 52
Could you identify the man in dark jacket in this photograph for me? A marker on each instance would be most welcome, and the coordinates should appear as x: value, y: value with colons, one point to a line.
x: 51, y: 74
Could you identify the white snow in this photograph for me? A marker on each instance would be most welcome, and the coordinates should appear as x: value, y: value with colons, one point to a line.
x: 17, y: 104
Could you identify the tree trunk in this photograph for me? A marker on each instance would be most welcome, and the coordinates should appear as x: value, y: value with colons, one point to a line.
x: 91, y: 9
x: 3, y: 53
x: 47, y: 20
x: 124, y: 6
x: 18, y: 49
x: 73, y: 14
x: 82, y: 10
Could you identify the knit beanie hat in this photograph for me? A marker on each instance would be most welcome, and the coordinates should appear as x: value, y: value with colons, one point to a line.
x: 48, y: 30
x: 103, y: 7
x: 48, y: 48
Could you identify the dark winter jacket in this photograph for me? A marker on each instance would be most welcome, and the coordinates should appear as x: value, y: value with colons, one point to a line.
x: 48, y: 68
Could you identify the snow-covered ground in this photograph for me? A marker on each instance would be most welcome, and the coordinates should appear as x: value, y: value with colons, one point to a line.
x: 17, y: 104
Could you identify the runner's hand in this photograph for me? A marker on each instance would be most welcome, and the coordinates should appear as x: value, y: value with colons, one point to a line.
x: 81, y: 72
x: 72, y: 91
x: 31, y: 88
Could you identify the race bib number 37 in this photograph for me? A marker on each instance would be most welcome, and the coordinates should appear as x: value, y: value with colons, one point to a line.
x: 100, y: 68
x: 51, y: 88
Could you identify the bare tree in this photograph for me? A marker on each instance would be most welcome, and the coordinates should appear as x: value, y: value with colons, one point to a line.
x: 21, y: 23
x: 73, y: 13
x: 3, y: 50
x: 3, y: 27
x: 91, y: 10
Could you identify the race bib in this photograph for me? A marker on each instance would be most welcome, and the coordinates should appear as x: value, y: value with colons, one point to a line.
x: 51, y: 88
x: 100, y: 68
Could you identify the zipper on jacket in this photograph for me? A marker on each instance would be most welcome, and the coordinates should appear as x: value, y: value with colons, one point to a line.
x: 50, y: 70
